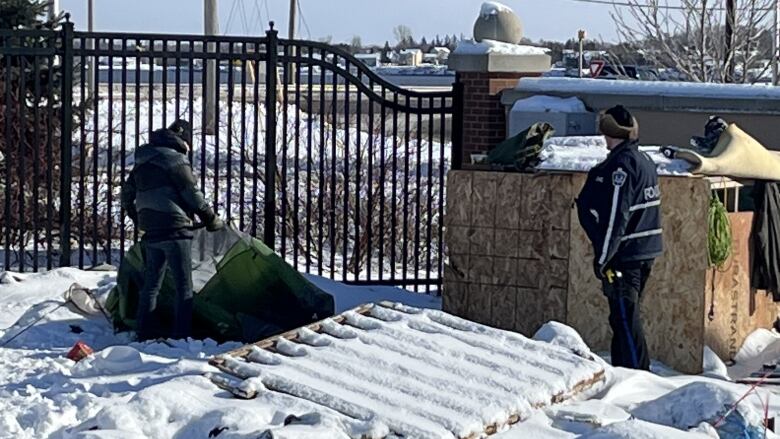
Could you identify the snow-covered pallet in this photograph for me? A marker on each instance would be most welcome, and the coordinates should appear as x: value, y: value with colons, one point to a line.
x: 422, y: 373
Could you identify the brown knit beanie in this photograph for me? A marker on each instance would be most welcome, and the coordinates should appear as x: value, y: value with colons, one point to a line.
x: 618, y: 123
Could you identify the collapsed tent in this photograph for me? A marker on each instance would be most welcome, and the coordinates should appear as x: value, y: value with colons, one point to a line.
x: 243, y: 290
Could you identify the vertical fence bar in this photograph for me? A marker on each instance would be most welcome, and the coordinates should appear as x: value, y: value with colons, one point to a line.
x: 123, y: 148
x: 269, y: 232
x: 345, y: 212
x: 21, y: 156
x: 8, y: 116
x: 429, y: 215
x: 285, y: 126
x: 83, y: 152
x: 177, y: 82
x: 457, y: 125
x: 217, y: 146
x: 358, y: 154
x: 242, y: 171
x: 110, y: 152
x: 370, y: 186
x: 95, y: 155
x: 382, y: 182
x: 36, y: 158
x: 256, y: 123
x: 418, y: 192
x: 164, y: 51
x: 137, y: 116
x: 334, y: 156
x: 50, y: 158
x: 405, y: 245
x: 442, y: 176
x: 203, y: 116
x: 151, y: 126
x: 309, y: 117
x: 66, y: 142
x: 229, y: 134
x: 296, y: 189
x: 191, y: 96
x: 321, y: 197
x: 394, y: 203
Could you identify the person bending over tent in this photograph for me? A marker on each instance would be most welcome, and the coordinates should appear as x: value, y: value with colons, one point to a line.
x: 160, y: 197
x: 620, y: 209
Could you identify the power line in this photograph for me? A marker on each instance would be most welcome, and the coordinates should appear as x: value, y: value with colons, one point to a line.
x: 666, y: 7
x: 302, y: 19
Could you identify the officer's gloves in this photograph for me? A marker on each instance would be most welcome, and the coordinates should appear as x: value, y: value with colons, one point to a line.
x: 215, y: 225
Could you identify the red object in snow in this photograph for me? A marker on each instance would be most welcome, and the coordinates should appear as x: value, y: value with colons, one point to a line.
x: 79, y: 351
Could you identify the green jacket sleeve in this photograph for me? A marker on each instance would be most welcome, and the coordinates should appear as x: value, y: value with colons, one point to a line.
x: 193, y: 198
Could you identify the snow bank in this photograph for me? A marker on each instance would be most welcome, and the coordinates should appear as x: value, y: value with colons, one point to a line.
x: 582, y: 153
x: 759, y: 348
x: 493, y: 8
x: 636, y: 429
x: 564, y: 336
x: 552, y: 104
x: 347, y: 297
x: 648, y: 88
x: 484, y: 47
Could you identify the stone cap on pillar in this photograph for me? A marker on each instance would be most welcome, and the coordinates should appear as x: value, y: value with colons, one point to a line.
x: 494, y: 56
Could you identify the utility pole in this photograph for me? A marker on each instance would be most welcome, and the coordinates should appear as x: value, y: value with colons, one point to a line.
x: 53, y: 10
x: 581, y: 38
x: 92, y: 73
x: 291, y: 35
x: 776, y: 46
x: 210, y: 28
x: 731, y: 19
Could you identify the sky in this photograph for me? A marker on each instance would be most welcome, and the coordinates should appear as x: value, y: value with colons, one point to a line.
x: 372, y: 20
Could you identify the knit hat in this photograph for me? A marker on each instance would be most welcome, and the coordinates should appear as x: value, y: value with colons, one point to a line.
x: 183, y: 130
x: 618, y: 123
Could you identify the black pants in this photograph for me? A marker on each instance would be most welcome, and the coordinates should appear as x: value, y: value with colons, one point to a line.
x: 176, y: 255
x: 629, y: 348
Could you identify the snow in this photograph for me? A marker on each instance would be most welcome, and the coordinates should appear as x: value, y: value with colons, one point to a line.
x: 463, y: 375
x: 647, y: 88
x: 486, y: 46
x: 582, y: 153
x: 348, y: 297
x: 494, y: 8
x: 544, y: 104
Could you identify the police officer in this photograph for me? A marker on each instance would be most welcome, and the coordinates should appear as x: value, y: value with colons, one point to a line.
x: 160, y: 196
x: 619, y: 208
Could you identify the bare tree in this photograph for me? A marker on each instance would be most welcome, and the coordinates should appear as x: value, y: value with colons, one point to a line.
x: 402, y: 33
x: 698, y: 38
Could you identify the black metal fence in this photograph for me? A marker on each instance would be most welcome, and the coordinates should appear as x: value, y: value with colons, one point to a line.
x: 338, y: 170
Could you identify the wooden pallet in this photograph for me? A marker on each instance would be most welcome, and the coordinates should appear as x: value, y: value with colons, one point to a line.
x: 232, y: 382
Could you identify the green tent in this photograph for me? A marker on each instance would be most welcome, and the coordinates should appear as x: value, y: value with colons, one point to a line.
x: 244, y: 291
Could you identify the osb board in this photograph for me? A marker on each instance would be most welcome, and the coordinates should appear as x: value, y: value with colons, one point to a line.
x: 506, y: 236
x: 673, y: 303
x: 728, y: 298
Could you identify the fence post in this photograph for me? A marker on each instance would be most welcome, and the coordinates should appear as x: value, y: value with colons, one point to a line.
x: 457, y: 125
x: 269, y: 209
x: 66, y: 146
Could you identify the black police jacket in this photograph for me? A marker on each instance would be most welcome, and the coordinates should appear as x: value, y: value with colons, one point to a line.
x: 620, y: 208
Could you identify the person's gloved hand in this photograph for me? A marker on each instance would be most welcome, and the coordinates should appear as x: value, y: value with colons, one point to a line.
x: 215, y: 225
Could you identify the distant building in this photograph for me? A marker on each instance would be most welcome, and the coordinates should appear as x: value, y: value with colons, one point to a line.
x: 369, y: 59
x: 410, y: 57
x: 431, y: 58
x: 442, y: 53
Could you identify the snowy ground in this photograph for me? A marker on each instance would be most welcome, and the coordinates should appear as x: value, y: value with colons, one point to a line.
x: 158, y: 390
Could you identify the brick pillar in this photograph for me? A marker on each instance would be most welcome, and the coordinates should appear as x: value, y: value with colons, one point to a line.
x: 483, y: 76
x: 484, y: 117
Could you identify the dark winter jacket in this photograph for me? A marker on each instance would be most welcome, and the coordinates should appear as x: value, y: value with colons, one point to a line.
x: 159, y: 194
x: 620, y: 208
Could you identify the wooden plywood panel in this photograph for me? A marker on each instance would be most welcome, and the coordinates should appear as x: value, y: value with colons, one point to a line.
x: 674, y: 300
x: 730, y: 318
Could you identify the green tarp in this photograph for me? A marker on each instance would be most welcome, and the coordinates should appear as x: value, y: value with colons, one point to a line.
x: 244, y: 291
x: 521, y: 152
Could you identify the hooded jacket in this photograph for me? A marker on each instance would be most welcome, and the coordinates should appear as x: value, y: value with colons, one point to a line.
x: 159, y: 194
x: 620, y: 208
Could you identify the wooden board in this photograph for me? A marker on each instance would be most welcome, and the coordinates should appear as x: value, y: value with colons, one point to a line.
x: 673, y: 300
x: 507, y: 245
x: 730, y: 318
